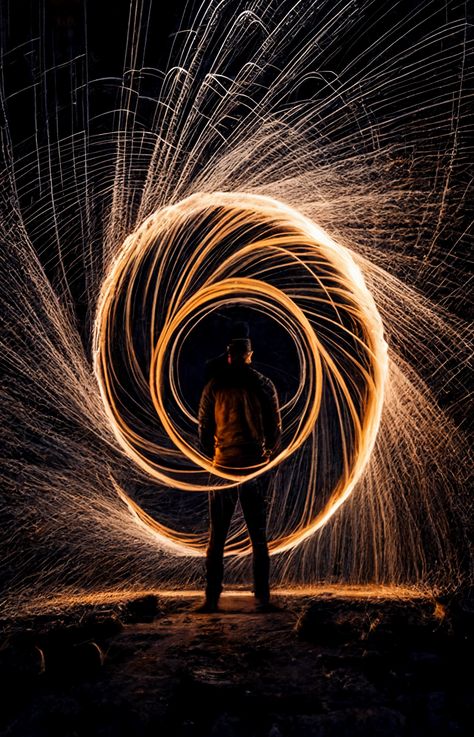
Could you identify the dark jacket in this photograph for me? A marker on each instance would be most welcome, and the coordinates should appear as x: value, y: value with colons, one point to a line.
x: 215, y: 366
x: 239, y: 417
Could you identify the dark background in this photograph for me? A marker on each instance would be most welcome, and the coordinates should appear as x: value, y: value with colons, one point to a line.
x: 63, y: 62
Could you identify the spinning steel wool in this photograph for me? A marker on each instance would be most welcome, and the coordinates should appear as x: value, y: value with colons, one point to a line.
x: 302, y: 165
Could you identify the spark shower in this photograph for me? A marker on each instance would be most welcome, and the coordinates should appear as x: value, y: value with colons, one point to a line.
x: 306, y: 161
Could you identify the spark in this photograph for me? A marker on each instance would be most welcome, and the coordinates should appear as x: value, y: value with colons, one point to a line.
x: 307, y: 160
x: 288, y: 262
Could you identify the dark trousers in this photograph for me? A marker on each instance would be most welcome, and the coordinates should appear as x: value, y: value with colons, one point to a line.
x: 252, y: 496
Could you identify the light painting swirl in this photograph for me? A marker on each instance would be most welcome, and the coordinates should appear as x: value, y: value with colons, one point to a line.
x: 203, y: 254
x: 304, y: 163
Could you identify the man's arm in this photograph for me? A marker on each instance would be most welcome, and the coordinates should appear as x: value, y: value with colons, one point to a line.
x: 207, y: 423
x: 271, y: 417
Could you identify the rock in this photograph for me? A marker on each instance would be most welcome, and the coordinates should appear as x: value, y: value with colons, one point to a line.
x: 324, y: 622
x: 87, y: 658
x: 21, y: 660
x: 143, y: 609
x: 98, y: 627
x: 90, y: 628
x: 73, y: 660
x: 391, y: 624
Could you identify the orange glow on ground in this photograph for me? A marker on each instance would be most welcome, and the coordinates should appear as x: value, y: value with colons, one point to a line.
x: 66, y: 601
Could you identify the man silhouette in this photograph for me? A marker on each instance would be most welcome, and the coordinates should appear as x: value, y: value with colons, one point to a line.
x: 239, y: 428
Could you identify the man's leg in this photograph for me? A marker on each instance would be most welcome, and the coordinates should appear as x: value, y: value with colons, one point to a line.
x: 221, y: 509
x: 253, y: 498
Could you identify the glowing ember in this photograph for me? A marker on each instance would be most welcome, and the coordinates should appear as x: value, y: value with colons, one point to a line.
x: 261, y: 253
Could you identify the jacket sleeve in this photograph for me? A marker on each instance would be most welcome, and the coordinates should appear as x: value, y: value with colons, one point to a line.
x: 271, y: 417
x: 207, y: 423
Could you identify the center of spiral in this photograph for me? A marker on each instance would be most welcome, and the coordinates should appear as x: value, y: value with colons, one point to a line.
x: 206, y: 253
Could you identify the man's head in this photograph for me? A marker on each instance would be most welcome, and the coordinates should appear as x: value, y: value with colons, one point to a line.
x: 239, y: 330
x: 239, y: 350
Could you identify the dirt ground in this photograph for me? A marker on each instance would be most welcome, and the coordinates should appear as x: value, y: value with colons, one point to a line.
x: 324, y: 666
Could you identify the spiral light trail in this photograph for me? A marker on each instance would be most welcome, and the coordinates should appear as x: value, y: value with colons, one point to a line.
x: 257, y: 251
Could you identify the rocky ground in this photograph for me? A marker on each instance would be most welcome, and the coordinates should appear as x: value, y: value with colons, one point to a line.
x: 322, y: 666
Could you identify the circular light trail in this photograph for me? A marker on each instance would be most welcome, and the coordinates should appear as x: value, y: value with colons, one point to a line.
x: 211, y: 251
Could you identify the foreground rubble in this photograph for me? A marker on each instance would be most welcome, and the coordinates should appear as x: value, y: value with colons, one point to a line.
x: 323, y: 666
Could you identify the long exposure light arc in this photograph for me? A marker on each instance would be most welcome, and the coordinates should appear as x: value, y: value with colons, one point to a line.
x: 336, y: 284
x: 351, y: 115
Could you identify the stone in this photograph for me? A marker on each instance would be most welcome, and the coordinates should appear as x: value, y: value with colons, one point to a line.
x: 143, y: 609
x: 21, y: 661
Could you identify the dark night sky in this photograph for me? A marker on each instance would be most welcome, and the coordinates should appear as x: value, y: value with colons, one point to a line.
x: 69, y: 28
x: 83, y: 41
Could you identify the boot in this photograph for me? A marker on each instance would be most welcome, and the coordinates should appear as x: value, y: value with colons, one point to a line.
x: 208, y: 606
